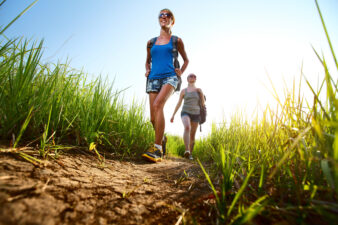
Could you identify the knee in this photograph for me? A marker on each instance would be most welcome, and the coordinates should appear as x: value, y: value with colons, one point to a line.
x: 187, y: 129
x: 157, y: 106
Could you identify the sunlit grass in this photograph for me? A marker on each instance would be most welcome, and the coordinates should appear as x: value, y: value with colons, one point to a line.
x: 279, y: 166
x: 282, y: 164
x: 175, y: 145
x: 285, y: 161
x: 52, y: 104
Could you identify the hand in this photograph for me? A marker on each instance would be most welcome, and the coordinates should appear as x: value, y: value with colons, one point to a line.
x: 147, y: 73
x: 172, y: 119
x: 178, y: 72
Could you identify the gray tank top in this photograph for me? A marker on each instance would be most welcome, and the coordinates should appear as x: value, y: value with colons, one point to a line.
x: 191, y: 102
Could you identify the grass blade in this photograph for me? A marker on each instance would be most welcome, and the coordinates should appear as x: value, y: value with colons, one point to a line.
x: 240, y: 192
x: 210, y: 183
x: 326, y: 33
x: 23, y: 127
x: 327, y: 172
x: 17, y: 17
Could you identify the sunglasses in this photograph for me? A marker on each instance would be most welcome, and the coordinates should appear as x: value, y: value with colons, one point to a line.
x: 164, y: 15
x: 193, y: 76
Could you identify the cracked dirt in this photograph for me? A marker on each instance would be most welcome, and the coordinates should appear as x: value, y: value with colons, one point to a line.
x: 77, y: 189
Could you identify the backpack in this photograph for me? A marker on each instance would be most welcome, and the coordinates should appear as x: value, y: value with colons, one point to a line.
x: 175, y: 56
x: 203, y: 113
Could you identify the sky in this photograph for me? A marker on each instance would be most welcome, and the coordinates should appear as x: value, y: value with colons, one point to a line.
x: 233, y: 46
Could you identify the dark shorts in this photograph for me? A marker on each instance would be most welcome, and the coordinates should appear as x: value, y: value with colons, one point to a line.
x: 155, y: 85
x: 194, y: 118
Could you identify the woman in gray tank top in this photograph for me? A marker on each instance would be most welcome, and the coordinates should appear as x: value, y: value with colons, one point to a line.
x: 190, y: 113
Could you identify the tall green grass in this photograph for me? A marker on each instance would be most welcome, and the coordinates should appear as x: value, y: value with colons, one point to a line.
x: 175, y: 145
x: 282, y: 164
x: 64, y: 107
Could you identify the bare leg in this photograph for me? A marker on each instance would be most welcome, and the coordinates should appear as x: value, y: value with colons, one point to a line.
x: 158, y: 106
x: 194, y: 126
x: 187, y: 129
x: 152, y: 97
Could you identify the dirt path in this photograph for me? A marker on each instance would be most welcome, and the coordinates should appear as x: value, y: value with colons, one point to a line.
x: 76, y: 189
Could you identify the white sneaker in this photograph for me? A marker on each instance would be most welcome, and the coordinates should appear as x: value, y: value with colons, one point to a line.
x: 190, y: 157
x: 186, y: 153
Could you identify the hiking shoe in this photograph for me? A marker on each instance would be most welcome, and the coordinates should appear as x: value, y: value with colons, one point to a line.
x: 153, y: 154
x: 186, y: 153
x: 190, y: 157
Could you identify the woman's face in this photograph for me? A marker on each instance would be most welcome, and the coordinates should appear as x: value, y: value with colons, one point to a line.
x: 191, y: 78
x: 165, y: 19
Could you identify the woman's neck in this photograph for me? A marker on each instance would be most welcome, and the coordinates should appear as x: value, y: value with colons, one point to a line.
x: 165, y: 32
x: 191, y: 85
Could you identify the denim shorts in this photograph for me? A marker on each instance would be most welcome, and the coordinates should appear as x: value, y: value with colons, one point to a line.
x: 155, y: 85
x: 193, y: 117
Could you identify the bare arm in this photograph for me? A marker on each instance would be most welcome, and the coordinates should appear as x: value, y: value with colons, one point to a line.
x: 148, y: 60
x: 181, y: 50
x: 201, y: 96
x: 179, y: 103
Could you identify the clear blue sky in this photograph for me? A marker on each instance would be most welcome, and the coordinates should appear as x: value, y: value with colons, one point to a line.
x: 232, y: 44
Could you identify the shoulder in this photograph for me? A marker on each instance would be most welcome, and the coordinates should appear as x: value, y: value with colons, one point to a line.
x: 176, y: 38
x: 180, y: 43
x: 183, y: 91
x: 199, y: 90
x: 151, y: 41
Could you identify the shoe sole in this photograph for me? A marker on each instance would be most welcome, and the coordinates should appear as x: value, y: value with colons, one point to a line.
x: 186, y: 154
x: 148, y: 158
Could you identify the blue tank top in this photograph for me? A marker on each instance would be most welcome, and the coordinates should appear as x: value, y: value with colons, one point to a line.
x: 162, y: 65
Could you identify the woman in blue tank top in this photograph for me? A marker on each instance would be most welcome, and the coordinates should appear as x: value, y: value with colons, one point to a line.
x: 162, y: 78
